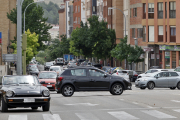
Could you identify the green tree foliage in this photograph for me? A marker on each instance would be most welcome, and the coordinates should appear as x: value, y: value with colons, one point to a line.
x: 35, y: 21
x: 96, y: 40
x: 32, y: 44
x: 50, y: 12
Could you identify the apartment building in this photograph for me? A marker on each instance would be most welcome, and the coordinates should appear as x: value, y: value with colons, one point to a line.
x: 7, y: 28
x: 77, y: 13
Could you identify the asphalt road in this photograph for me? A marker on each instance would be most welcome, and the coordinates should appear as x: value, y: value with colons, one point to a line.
x: 131, y: 105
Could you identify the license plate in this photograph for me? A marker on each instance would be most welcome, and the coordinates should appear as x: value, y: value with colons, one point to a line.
x: 49, y: 86
x: 29, y: 100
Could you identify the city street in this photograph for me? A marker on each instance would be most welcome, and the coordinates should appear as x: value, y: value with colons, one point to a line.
x: 132, y: 104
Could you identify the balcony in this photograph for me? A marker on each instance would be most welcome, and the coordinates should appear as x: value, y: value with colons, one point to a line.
x: 172, y: 38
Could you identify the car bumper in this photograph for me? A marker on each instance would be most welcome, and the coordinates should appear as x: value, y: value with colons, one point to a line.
x: 27, y: 101
x: 140, y: 84
x: 50, y: 86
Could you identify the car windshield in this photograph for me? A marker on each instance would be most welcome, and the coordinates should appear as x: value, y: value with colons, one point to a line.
x: 54, y: 68
x: 47, y: 75
x: 19, y: 80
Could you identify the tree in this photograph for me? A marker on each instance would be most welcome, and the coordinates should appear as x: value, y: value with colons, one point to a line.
x: 32, y: 44
x: 35, y: 21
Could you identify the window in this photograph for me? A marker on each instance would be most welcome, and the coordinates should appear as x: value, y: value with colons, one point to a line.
x: 144, y: 10
x: 160, y: 34
x: 163, y: 74
x: 151, y: 10
x: 151, y: 33
x: 130, y: 12
x: 173, y: 30
x: 133, y: 32
x: 135, y: 12
x: 160, y: 10
x: 172, y: 10
x: 144, y: 33
x: 140, y: 32
x: 78, y: 8
x: 78, y: 20
x: 78, y: 72
x: 96, y: 73
x: 109, y: 11
x: 173, y: 74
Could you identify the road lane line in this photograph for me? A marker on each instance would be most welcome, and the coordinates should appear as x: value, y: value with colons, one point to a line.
x: 51, y: 117
x: 86, y: 116
x: 177, y: 110
x: 135, y: 103
x: 175, y: 101
x: 121, y: 99
x: 17, y: 117
x: 121, y: 115
x: 157, y: 114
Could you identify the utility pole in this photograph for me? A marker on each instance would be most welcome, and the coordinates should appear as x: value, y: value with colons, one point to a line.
x: 19, y: 33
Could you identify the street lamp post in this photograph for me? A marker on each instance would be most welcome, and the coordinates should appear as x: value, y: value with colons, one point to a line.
x: 109, y: 8
x: 25, y: 11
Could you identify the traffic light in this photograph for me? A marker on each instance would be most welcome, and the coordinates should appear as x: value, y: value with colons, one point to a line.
x: 24, y: 41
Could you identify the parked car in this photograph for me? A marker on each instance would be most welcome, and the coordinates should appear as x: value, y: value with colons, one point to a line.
x: 151, y: 71
x: 72, y: 64
x: 99, y: 66
x: 18, y: 91
x: 57, y: 69
x: 89, y: 79
x: 155, y: 67
x: 33, y: 71
x: 135, y: 75
x: 47, y: 65
x: 106, y: 68
x: 48, y: 79
x: 166, y: 79
x: 30, y: 66
x: 177, y: 69
x: 80, y: 61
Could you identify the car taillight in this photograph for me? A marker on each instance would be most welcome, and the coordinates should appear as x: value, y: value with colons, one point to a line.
x: 127, y: 73
x: 69, y: 63
x: 135, y: 75
x: 76, y: 63
x: 117, y: 73
x: 60, y: 79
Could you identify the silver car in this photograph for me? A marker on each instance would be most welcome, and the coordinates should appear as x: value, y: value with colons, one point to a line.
x: 71, y: 64
x: 164, y: 79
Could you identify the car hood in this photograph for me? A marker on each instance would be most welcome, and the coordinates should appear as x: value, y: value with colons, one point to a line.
x: 48, y: 80
x: 23, y: 89
x: 115, y: 77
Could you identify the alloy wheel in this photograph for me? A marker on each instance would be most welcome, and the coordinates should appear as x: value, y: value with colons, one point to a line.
x: 117, y: 89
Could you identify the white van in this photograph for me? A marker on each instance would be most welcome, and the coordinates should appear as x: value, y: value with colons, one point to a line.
x: 60, y: 61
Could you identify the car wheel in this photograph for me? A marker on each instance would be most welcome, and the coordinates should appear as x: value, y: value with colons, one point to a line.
x: 67, y: 91
x: 34, y: 108
x: 4, y: 107
x: 172, y: 88
x: 178, y: 85
x: 117, y: 89
x: 150, y: 85
x: 58, y: 91
x: 142, y: 88
x: 46, y: 107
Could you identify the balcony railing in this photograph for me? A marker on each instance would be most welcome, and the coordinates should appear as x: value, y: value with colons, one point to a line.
x: 172, y: 38
x: 160, y: 38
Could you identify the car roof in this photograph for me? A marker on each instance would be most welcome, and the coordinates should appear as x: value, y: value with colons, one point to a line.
x: 47, y: 71
x: 82, y: 67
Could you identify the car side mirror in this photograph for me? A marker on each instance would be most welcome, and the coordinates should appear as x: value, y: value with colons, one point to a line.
x: 157, y: 77
x: 105, y: 75
x: 42, y: 82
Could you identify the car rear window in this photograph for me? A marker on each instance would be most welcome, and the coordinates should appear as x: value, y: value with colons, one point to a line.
x: 66, y: 72
x: 153, y: 71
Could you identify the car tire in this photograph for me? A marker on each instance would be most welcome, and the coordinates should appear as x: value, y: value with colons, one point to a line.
x: 34, y: 108
x: 58, y: 91
x: 116, y: 89
x: 142, y: 88
x: 172, y: 88
x: 46, y: 107
x: 150, y: 85
x: 67, y: 90
x: 4, y: 106
x: 178, y: 85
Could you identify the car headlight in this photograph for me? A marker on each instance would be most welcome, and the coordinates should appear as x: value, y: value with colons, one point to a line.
x: 46, y: 93
x: 9, y: 93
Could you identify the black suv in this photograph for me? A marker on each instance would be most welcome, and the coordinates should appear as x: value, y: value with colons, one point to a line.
x: 89, y: 79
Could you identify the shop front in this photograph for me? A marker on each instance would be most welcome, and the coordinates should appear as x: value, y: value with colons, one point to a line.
x: 170, y: 56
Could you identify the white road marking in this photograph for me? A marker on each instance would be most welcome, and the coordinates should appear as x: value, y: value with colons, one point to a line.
x: 175, y: 101
x: 149, y: 107
x: 177, y: 110
x: 85, y: 104
x: 51, y: 117
x: 17, y: 117
x: 121, y: 115
x: 157, y: 114
x: 86, y: 116
x: 135, y: 103
x: 121, y: 99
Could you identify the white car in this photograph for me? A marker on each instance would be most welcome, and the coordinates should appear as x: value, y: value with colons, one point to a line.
x: 122, y: 73
x: 60, y: 61
x: 150, y: 71
x: 71, y: 64
x: 57, y: 69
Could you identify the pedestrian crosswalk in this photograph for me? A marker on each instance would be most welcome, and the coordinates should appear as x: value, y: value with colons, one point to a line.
x: 141, y: 114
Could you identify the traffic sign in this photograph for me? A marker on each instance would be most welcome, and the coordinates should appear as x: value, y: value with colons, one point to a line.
x: 9, y: 57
